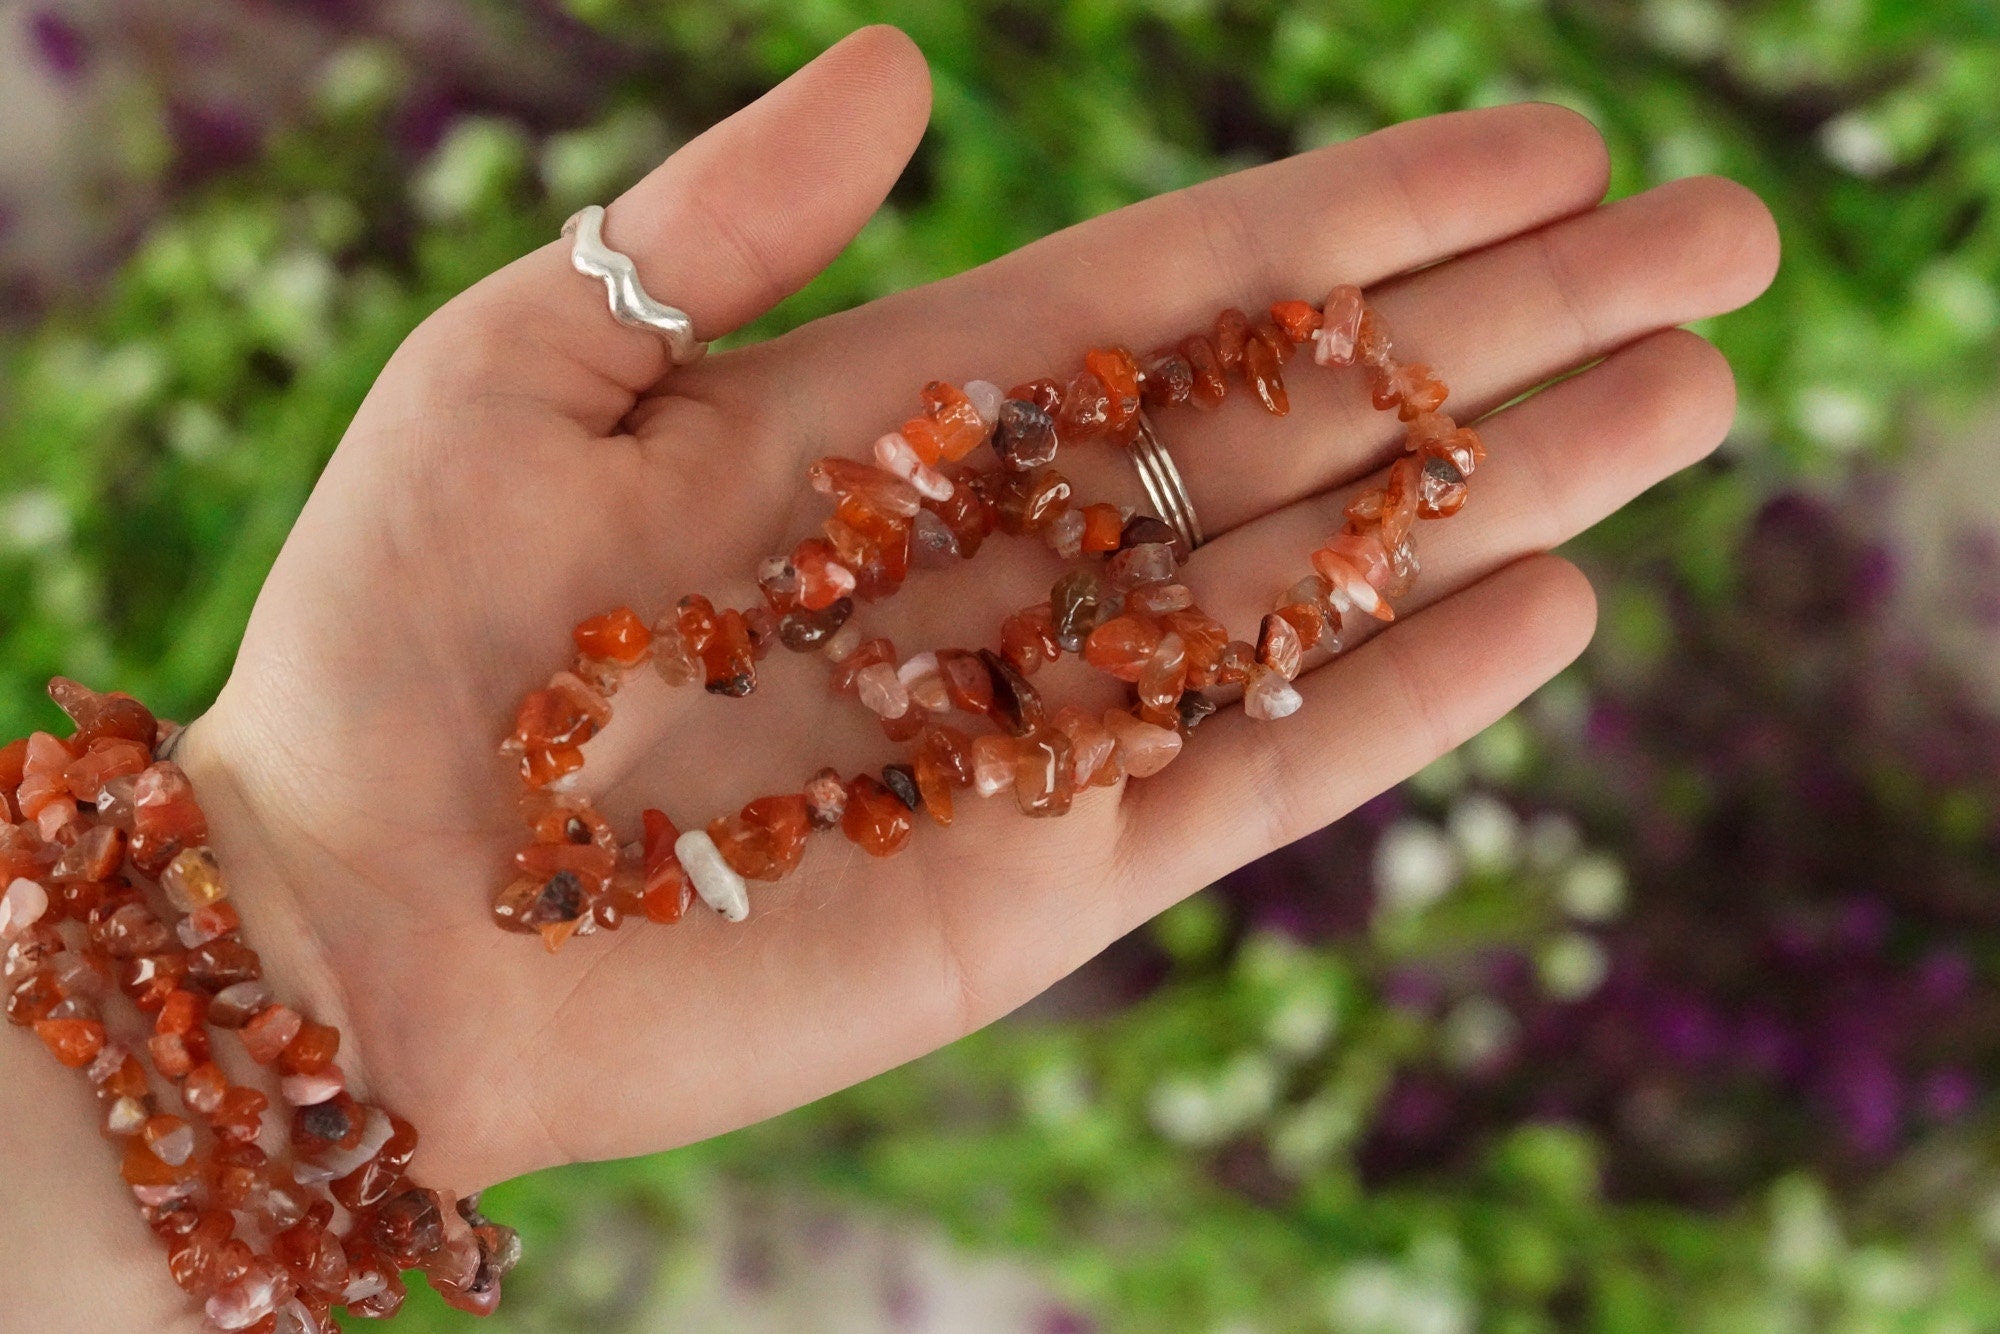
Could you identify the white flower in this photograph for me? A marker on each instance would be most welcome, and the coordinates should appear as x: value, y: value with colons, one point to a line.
x: 1486, y: 830
x: 1593, y: 888
x: 1853, y: 142
x: 1477, y: 1030
x: 1415, y: 866
x: 1571, y: 966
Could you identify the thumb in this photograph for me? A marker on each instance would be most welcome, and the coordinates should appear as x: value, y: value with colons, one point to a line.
x: 743, y: 215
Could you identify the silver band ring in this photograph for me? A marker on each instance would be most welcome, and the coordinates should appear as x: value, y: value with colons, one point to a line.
x: 630, y: 304
x: 1164, y: 486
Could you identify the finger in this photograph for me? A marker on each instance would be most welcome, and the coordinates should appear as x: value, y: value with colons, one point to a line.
x: 740, y: 217
x: 1492, y: 324
x: 1371, y: 719
x: 1356, y: 212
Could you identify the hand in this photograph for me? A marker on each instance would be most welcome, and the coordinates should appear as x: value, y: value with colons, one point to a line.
x: 524, y: 462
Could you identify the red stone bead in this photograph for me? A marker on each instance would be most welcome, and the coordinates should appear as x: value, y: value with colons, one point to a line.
x: 1299, y: 319
x: 75, y: 1042
x: 966, y: 513
x: 1232, y: 336
x: 766, y: 839
x: 668, y: 891
x: 616, y: 636
x: 1122, y: 646
x: 1043, y: 780
x: 968, y: 683
x: 866, y: 654
x: 1085, y: 410
x: 1024, y: 503
x: 1169, y: 379
x: 103, y: 715
x: 312, y: 1051
x: 826, y: 799
x: 876, y: 820
x: 1260, y: 372
x: 1119, y: 374
x: 267, y: 1035
x: 409, y: 1226
x: 1441, y: 491
x: 323, y: 1127
x: 1279, y: 646
x: 164, y: 809
x: 1211, y: 383
x: 1017, y: 706
x: 107, y: 758
x: 955, y: 419
x: 1045, y: 394
x: 1307, y: 620
x: 943, y: 761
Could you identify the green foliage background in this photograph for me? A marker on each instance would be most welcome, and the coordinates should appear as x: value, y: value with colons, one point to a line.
x: 157, y: 438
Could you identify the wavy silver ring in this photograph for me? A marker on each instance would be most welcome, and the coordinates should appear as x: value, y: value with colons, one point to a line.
x: 1164, y: 486
x: 630, y: 304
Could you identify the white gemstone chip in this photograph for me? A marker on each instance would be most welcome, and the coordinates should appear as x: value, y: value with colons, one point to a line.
x: 714, y: 879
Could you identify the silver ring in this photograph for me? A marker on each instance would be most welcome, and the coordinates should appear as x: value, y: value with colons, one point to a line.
x: 630, y: 305
x: 1164, y: 486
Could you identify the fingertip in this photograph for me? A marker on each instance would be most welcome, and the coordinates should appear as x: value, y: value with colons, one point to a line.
x: 1559, y: 603
x: 1572, y: 137
x: 1733, y: 230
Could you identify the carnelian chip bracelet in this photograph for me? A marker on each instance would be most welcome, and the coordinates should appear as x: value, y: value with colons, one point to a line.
x: 272, y: 1217
x: 1120, y: 606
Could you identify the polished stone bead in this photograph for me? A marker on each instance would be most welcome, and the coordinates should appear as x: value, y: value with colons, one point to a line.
x: 826, y: 799
x: 729, y: 663
x: 1044, y: 393
x: 967, y: 512
x: 164, y: 808
x: 718, y: 883
x: 1234, y: 663
x: 1299, y: 320
x: 802, y: 631
x: 1169, y: 379
x: 1442, y: 489
x: 1261, y: 373
x: 992, y: 764
x: 1371, y: 343
x: 1232, y: 336
x: 1211, y: 381
x: 312, y: 1051
x: 236, y: 1005
x: 1023, y: 503
x: 869, y: 652
x: 1165, y: 673
x: 766, y: 839
x: 193, y: 880
x: 1103, y: 526
x: 1017, y: 706
x: 956, y: 419
x: 1268, y: 696
x: 107, y: 758
x: 1043, y: 782
x: 1410, y: 388
x: 1064, y: 534
x: 1025, y: 437
x: 24, y: 903
x: 99, y: 715
x: 942, y: 762
x: 1145, y: 563
x: 1074, y: 604
x: 1122, y: 646
x: 823, y: 580
x: 985, y: 397
x: 75, y: 1042
x: 881, y: 692
x: 531, y: 904
x: 1279, y: 646
x: 1028, y: 638
x: 876, y: 820
x: 667, y: 891
x: 1143, y: 749
x: 1158, y: 599
x: 901, y: 781
x: 1308, y: 621
x: 1085, y: 411
x: 968, y: 682
x: 1119, y: 374
x: 1091, y: 748
x: 615, y: 636
x: 1194, y: 707
x: 1340, y: 326
x: 267, y: 1034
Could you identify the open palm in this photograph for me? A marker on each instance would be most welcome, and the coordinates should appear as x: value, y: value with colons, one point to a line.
x: 524, y: 462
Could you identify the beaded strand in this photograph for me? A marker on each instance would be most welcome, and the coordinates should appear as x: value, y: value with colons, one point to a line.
x: 272, y: 1218
x: 1120, y: 607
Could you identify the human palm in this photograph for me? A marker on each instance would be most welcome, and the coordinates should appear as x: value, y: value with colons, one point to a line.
x: 524, y: 462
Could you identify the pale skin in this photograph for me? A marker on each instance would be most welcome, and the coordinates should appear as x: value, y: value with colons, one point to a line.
x: 524, y: 462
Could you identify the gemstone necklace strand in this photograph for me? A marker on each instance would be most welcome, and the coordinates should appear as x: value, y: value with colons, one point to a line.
x: 1120, y: 606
